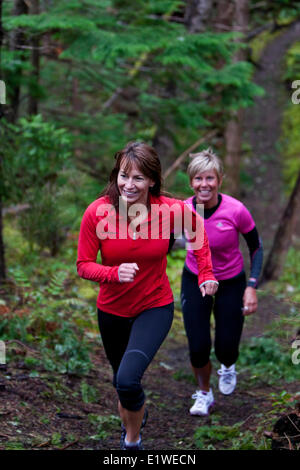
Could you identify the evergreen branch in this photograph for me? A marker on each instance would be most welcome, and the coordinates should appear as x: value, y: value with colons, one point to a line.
x: 134, y: 70
x: 181, y: 158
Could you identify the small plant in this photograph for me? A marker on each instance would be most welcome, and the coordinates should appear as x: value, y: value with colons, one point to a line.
x: 45, y: 420
x: 246, y: 441
x: 228, y: 437
x: 36, y: 154
x: 210, y: 435
x: 56, y: 439
x: 48, y: 321
x: 14, y: 445
x: 281, y: 402
x: 103, y: 425
x: 32, y: 362
x: 267, y: 361
x: 89, y: 394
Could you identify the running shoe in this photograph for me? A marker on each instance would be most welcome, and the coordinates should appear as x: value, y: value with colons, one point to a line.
x: 123, y: 434
x: 133, y: 448
x: 227, y: 380
x: 203, y: 403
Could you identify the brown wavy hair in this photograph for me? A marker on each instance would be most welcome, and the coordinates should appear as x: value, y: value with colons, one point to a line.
x: 145, y: 158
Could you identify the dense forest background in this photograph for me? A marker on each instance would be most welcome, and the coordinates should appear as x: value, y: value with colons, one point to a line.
x: 79, y: 79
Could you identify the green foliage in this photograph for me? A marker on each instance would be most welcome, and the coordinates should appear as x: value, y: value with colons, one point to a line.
x: 36, y: 151
x: 16, y: 68
x: 287, y: 286
x: 56, y: 439
x: 281, y: 12
x: 50, y: 323
x: 214, y: 434
x: 14, y: 445
x: 289, y: 282
x: 289, y: 141
x: 292, y: 63
x: 265, y: 359
x: 181, y: 184
x: 227, y: 437
x: 136, y: 73
x: 182, y: 375
x: 281, y: 402
x: 103, y: 425
x: 36, y: 154
x: 88, y: 393
x: 260, y: 42
x: 245, y: 441
x: 44, y: 22
x: 174, y: 270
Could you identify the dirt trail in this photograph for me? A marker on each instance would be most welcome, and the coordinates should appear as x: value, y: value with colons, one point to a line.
x: 262, y: 127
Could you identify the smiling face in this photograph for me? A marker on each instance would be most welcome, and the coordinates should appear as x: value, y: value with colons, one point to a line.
x: 133, y: 185
x: 206, y: 187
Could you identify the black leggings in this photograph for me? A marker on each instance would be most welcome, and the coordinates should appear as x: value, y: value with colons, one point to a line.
x: 227, y: 307
x: 130, y: 345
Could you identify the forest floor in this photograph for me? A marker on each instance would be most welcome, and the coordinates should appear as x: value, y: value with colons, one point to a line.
x: 48, y: 411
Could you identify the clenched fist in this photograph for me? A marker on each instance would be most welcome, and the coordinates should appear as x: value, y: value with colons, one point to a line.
x: 127, y: 272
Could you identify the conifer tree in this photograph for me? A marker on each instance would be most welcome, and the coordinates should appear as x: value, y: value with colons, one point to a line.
x: 16, y: 44
x: 35, y: 63
x: 126, y: 62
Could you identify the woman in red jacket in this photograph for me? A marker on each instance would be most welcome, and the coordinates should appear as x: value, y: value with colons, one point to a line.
x: 130, y: 225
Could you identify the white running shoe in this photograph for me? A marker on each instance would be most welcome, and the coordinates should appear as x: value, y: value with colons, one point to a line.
x: 203, y: 403
x: 227, y: 380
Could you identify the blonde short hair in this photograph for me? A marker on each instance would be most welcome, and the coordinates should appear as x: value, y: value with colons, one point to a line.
x: 205, y: 161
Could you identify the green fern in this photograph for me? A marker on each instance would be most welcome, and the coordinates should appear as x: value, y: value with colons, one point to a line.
x: 20, y: 277
x: 56, y: 283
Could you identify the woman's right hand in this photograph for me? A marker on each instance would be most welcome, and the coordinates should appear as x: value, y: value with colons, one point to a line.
x: 127, y: 272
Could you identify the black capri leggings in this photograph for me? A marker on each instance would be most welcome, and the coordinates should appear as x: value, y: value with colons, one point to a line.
x: 227, y: 307
x: 130, y: 345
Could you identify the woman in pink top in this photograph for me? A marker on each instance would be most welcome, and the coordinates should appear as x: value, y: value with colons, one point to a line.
x: 224, y: 219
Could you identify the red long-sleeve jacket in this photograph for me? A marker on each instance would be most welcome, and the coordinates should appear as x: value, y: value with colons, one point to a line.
x: 146, y: 244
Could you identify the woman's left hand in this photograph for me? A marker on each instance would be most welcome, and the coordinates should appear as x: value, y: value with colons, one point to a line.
x: 210, y: 288
x: 250, y: 301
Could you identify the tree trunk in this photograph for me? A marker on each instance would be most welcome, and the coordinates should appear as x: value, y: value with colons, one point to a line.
x: 197, y: 15
x: 283, y: 236
x: 225, y: 12
x: 233, y: 15
x: 35, y: 62
x: 2, y: 258
x: 233, y: 153
x: 16, y: 43
x: 162, y: 140
x: 1, y: 33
